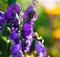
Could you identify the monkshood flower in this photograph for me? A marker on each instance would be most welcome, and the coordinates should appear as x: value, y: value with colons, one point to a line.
x: 27, y: 42
x: 11, y: 12
x: 15, y: 24
x: 13, y: 20
x: 29, y: 17
x: 1, y: 20
x: 27, y: 34
x: 26, y: 29
x: 40, y: 49
x: 12, y: 17
x: 16, y: 50
x: 14, y: 8
x: 30, y: 13
x: 14, y: 37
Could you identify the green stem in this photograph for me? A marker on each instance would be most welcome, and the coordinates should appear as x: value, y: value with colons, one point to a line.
x: 6, y: 50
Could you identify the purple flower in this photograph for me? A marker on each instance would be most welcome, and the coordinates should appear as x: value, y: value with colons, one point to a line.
x: 15, y: 24
x: 30, y: 13
x: 26, y: 29
x: 14, y: 8
x: 27, y: 43
x: 16, y: 50
x: 19, y: 54
x: 1, y: 20
x: 12, y: 17
x: 14, y: 36
x: 27, y: 34
x: 40, y: 49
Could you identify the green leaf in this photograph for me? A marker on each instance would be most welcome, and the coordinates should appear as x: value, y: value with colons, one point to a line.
x: 5, y: 39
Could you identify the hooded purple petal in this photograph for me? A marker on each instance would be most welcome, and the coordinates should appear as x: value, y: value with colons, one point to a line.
x: 16, y: 8
x: 14, y: 36
x: 30, y: 13
x: 15, y: 48
x: 40, y: 49
x: 26, y: 29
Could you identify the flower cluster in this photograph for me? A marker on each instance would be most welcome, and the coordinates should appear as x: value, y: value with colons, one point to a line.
x: 29, y: 17
x: 12, y: 18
